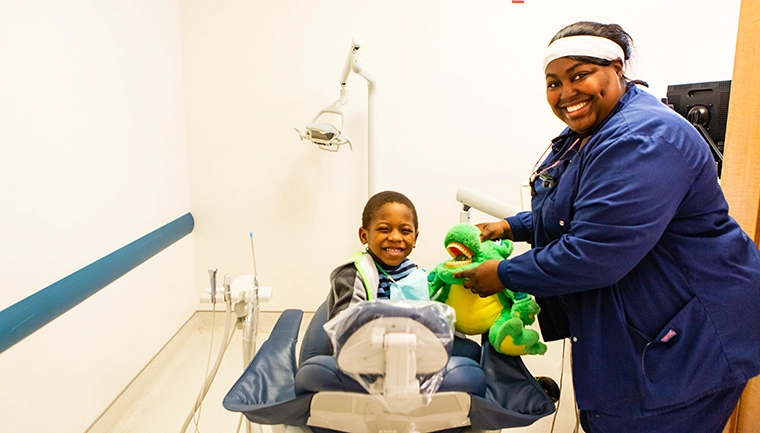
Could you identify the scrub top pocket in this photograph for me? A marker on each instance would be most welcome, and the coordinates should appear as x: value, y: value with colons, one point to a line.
x: 681, y: 361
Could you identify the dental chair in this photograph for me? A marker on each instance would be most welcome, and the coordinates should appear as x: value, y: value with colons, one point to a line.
x: 387, y: 366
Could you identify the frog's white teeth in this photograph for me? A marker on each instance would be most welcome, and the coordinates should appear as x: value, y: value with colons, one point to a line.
x: 458, y: 263
x: 459, y: 252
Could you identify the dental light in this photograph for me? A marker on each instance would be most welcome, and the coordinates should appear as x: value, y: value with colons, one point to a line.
x: 329, y: 136
x: 484, y: 203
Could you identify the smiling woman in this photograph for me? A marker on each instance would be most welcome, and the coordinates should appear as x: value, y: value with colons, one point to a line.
x: 584, y: 76
x: 634, y: 256
x: 583, y: 94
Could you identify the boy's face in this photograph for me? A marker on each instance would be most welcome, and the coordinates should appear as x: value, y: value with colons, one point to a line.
x: 391, y: 234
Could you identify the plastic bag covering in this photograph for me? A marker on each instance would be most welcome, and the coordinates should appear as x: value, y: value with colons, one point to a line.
x: 395, y: 349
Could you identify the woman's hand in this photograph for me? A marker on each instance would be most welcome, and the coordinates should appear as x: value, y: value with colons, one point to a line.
x: 483, y: 280
x: 495, y: 230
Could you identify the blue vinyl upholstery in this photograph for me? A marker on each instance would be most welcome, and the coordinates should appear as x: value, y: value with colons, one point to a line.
x: 273, y: 390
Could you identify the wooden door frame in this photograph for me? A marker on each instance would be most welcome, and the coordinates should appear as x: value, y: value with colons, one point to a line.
x: 741, y: 169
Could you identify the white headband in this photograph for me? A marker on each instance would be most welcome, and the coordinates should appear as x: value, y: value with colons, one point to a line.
x: 589, y: 46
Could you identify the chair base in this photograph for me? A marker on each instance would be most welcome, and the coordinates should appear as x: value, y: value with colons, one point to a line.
x: 363, y: 413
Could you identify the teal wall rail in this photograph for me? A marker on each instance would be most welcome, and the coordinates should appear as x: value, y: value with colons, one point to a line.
x: 35, y: 311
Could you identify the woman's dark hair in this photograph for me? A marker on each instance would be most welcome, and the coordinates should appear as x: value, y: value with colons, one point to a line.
x: 378, y: 200
x: 613, y: 32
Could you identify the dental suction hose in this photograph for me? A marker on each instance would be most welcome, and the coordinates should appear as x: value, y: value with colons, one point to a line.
x: 251, y: 321
x: 222, y: 348
x: 251, y: 326
x: 212, y: 277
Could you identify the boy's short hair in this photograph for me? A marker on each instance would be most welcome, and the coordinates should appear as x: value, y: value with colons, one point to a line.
x: 378, y: 200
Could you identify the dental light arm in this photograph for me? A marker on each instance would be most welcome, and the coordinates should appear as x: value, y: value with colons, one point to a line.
x: 356, y: 43
x: 484, y: 203
x: 329, y: 136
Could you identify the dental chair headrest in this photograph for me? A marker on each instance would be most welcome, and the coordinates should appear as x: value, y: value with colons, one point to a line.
x: 427, y: 313
x: 362, y: 335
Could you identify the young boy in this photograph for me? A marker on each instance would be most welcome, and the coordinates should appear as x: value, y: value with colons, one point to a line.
x: 383, y: 271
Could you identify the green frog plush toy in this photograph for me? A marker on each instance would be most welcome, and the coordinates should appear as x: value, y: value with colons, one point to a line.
x: 503, y: 315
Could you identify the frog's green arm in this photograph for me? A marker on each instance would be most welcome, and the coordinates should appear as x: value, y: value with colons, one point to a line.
x: 505, y: 297
x: 505, y: 248
x: 437, y: 288
x: 443, y: 294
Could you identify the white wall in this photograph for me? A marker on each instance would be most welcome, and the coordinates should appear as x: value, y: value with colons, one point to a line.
x: 93, y: 151
x: 460, y: 103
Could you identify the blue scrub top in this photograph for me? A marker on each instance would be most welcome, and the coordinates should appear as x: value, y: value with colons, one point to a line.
x: 637, y: 260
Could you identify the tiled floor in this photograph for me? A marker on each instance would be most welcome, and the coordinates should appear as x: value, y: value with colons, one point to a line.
x: 162, y: 396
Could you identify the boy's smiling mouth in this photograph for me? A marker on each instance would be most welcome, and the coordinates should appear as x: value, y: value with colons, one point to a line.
x: 394, y: 251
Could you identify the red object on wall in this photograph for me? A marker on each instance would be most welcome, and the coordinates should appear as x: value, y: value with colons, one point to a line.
x: 518, y: 1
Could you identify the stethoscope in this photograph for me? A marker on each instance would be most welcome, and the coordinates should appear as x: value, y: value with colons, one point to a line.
x: 542, y: 171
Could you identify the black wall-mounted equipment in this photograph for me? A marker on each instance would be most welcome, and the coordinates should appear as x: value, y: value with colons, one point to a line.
x: 705, y: 105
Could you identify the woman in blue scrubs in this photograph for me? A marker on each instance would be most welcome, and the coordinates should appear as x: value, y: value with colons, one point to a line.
x: 634, y: 257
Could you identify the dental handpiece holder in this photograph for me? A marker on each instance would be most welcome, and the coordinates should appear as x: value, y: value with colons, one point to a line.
x: 244, y: 293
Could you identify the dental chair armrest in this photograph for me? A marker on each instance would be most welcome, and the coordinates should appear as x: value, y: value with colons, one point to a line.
x: 269, y: 378
x: 513, y: 397
x: 463, y: 375
x: 463, y: 346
